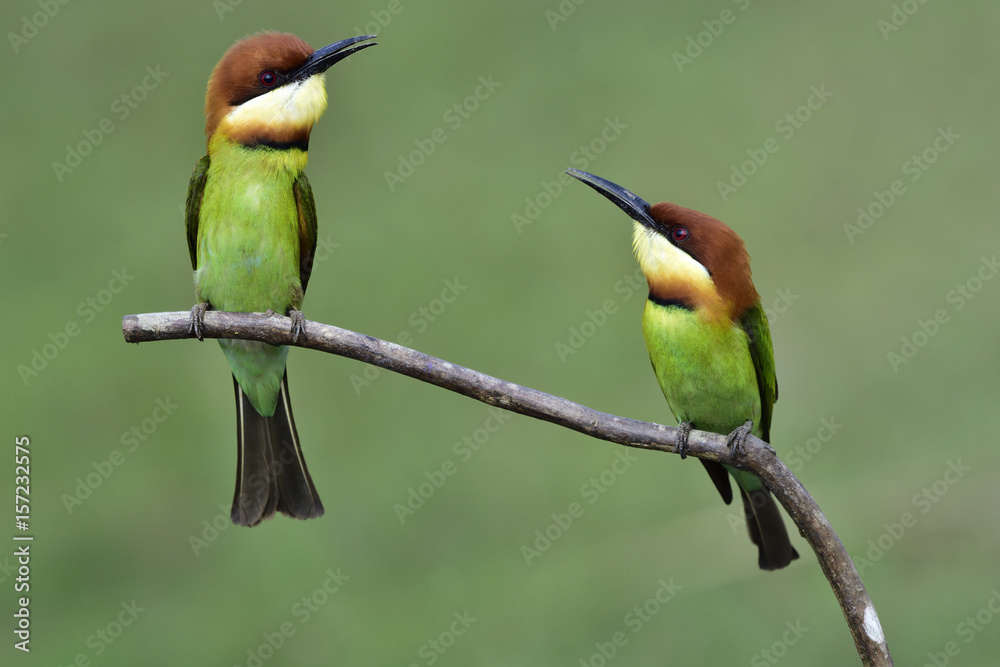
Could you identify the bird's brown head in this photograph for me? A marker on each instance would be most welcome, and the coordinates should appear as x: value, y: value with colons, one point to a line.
x: 689, y: 258
x: 268, y: 88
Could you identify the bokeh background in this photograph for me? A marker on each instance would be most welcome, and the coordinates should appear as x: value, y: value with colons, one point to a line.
x: 134, y: 561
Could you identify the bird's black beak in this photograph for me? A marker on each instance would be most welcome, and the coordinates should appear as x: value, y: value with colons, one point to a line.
x: 322, y: 59
x: 635, y: 206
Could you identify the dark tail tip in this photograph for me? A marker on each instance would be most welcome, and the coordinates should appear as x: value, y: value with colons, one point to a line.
x: 767, y: 530
x: 297, y: 495
x: 271, y: 472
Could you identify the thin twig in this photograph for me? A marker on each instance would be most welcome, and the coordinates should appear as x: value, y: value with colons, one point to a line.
x: 759, y: 458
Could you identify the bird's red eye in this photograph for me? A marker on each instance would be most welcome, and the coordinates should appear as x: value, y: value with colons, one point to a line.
x: 679, y: 233
x: 268, y: 78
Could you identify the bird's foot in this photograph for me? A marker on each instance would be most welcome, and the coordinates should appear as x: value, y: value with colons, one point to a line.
x: 685, y: 429
x: 738, y: 437
x: 198, y: 319
x: 298, y: 324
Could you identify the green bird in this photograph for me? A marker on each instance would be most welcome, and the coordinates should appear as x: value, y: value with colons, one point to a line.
x: 709, y: 343
x: 251, y: 232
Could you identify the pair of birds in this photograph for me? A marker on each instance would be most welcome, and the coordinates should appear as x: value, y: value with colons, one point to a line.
x: 251, y: 229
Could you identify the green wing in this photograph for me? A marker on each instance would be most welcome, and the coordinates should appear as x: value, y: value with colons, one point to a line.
x: 307, y: 227
x: 193, y: 208
x: 754, y: 323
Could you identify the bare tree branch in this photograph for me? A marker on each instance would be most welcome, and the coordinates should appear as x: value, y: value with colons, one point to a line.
x: 759, y: 458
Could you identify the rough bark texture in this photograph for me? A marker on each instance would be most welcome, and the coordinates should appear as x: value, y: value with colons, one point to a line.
x: 758, y: 456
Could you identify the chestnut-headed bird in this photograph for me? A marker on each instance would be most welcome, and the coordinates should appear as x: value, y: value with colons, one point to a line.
x: 251, y: 232
x: 709, y: 342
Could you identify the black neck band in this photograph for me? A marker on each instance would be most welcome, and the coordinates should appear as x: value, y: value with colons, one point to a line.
x: 668, y: 303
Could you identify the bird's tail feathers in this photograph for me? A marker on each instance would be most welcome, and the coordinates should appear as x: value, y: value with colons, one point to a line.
x: 767, y: 529
x: 271, y: 473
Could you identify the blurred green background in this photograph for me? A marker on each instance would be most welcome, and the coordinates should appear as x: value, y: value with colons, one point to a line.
x: 872, y: 437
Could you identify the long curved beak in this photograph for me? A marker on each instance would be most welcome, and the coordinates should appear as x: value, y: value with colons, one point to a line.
x: 322, y: 59
x: 635, y: 206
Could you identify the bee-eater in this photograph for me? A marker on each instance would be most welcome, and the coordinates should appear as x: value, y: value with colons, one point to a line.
x: 251, y: 232
x: 709, y: 342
